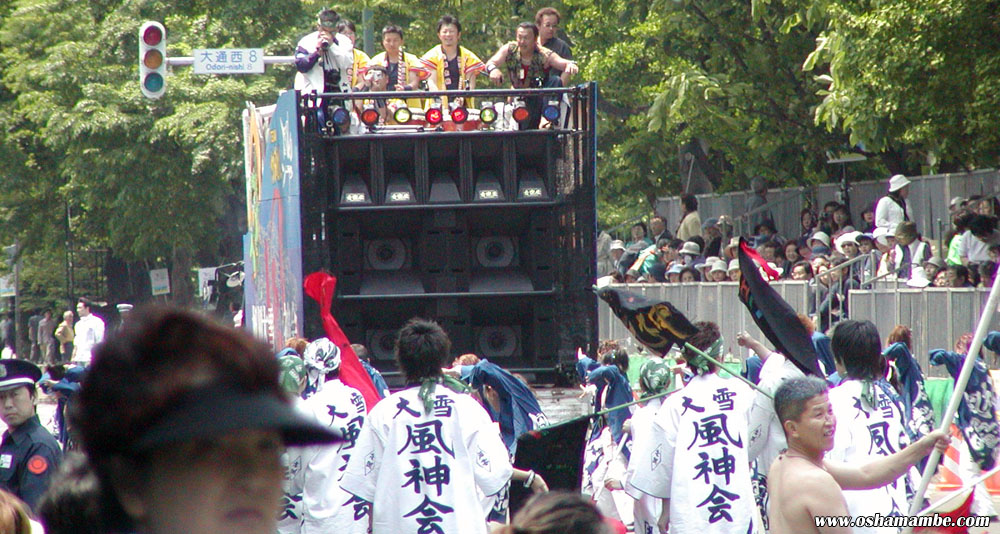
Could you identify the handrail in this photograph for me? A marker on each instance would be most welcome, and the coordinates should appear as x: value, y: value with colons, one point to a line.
x: 744, y: 218
x: 613, y: 230
x: 816, y: 299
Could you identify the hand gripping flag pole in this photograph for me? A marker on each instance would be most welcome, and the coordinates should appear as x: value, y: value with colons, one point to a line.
x: 956, y: 398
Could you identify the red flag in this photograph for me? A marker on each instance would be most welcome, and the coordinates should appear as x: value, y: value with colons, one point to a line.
x: 320, y: 287
x: 760, y: 261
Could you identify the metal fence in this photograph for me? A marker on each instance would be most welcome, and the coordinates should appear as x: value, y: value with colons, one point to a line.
x: 937, y: 316
x: 927, y: 203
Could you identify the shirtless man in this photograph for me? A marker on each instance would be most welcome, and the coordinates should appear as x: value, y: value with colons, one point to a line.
x: 802, y: 484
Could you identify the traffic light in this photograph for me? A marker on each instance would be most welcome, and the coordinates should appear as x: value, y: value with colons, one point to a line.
x: 152, y: 59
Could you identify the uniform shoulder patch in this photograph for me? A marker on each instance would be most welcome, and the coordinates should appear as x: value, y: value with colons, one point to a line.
x: 37, y: 464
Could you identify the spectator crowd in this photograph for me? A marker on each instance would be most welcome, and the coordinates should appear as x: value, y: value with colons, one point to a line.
x: 830, y: 251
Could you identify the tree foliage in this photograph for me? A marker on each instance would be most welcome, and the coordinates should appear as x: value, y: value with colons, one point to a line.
x: 916, y: 82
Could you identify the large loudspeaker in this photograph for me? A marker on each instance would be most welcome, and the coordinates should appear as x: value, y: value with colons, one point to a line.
x: 491, y: 234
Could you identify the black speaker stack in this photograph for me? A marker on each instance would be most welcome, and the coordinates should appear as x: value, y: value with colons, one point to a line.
x: 490, y: 233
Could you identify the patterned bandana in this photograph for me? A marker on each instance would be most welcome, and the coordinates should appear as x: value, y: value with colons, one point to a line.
x: 292, y: 371
x: 321, y: 357
x: 428, y: 385
x: 702, y: 364
x: 654, y: 377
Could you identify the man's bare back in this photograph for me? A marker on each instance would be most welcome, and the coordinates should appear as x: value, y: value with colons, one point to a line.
x: 798, y: 491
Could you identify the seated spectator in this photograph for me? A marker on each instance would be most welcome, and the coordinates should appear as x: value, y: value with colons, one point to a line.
x: 791, y: 255
x: 713, y: 236
x: 628, y: 258
x: 842, y: 222
x: 718, y: 271
x: 820, y: 239
x: 674, y: 273
x: 690, y: 253
x: 764, y: 232
x: 942, y: 278
x: 982, y: 233
x: 639, y: 234
x: 885, y: 242
x: 994, y: 253
x: 933, y: 266
x: 825, y: 223
x: 616, y: 250
x: 953, y: 239
x: 703, y: 267
x: 891, y: 209
x: 807, y: 226
x: 731, y: 252
x: 987, y: 272
x: 658, y: 228
x: 734, y: 271
x: 958, y: 276
x: 689, y: 274
x: 985, y: 206
x: 957, y: 204
x: 867, y: 220
x: 802, y: 270
x: 769, y: 251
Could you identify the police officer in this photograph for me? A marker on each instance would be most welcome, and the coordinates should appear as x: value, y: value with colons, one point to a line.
x: 29, y: 453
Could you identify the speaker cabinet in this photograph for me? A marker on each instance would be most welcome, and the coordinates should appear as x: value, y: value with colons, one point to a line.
x: 491, y: 234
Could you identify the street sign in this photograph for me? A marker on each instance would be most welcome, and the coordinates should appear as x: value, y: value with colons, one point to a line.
x: 229, y: 61
x: 159, y: 279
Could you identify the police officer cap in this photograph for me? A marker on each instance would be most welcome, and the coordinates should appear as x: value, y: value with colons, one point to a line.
x: 15, y: 373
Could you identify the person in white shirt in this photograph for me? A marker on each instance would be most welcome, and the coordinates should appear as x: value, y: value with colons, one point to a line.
x: 335, y: 405
x: 428, y: 458
x: 88, y: 332
x: 891, y: 209
x: 696, y: 454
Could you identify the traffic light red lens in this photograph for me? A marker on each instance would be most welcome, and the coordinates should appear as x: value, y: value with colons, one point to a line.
x: 369, y: 117
x: 521, y: 114
x: 153, y: 59
x: 459, y: 115
x: 434, y: 116
x: 152, y: 36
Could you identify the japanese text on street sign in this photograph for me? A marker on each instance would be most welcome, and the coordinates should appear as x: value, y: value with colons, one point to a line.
x: 229, y: 61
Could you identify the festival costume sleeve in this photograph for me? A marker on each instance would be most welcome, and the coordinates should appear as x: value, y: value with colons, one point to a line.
x: 473, y: 65
x: 492, y: 468
x: 363, y: 467
x: 654, y: 461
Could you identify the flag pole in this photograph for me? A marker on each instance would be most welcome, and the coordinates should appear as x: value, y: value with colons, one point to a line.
x: 971, y: 486
x: 960, y: 383
x: 723, y: 368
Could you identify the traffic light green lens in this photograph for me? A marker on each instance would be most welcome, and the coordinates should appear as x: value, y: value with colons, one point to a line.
x: 153, y: 82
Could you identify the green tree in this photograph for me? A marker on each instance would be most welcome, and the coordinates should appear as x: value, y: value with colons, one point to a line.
x: 676, y: 71
x: 151, y: 180
x: 917, y: 83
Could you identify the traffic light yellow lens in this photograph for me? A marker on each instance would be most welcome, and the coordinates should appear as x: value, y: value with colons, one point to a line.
x: 153, y: 59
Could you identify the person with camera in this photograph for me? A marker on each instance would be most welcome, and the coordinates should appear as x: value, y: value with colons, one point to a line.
x: 323, y: 59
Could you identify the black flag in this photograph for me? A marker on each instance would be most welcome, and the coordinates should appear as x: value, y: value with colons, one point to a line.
x: 656, y: 324
x: 775, y: 318
x: 553, y: 452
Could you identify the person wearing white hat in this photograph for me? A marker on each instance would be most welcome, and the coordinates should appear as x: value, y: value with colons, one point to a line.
x: 823, y: 239
x: 734, y: 271
x: 891, y: 209
x: 718, y: 271
x: 690, y: 251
